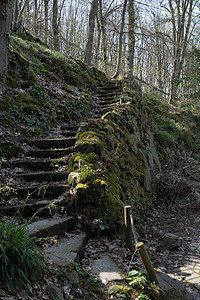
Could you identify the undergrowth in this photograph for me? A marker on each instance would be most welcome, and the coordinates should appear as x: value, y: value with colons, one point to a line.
x: 21, y: 262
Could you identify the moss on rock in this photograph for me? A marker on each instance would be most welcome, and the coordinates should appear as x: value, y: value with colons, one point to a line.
x: 112, y: 164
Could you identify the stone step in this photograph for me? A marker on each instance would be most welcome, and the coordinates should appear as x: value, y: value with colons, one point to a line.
x: 107, y: 104
x: 107, y: 109
x: 53, y: 143
x: 53, y: 153
x: 51, y: 227
x: 41, y: 191
x: 37, y: 165
x: 111, y: 94
x: 69, y: 133
x: 111, y: 84
x: 70, y: 127
x: 42, y: 208
x: 42, y: 176
x: 107, y: 99
x: 67, y: 251
x: 105, y: 90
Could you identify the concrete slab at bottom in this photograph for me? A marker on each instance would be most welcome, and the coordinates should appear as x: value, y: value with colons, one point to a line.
x: 67, y: 251
x: 106, y: 269
x: 173, y: 289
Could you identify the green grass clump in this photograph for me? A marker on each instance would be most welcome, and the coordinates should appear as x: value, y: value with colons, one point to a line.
x: 20, y: 260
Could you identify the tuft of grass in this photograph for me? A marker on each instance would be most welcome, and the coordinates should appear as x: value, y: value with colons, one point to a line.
x: 21, y: 261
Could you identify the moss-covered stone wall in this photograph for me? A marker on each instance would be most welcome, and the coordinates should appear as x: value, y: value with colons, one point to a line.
x: 110, y: 168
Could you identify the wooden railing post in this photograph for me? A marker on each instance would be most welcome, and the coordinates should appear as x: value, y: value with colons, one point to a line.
x: 127, y: 221
x: 147, y: 262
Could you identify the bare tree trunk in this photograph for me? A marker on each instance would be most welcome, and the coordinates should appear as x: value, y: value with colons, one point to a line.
x: 36, y: 18
x: 93, y: 13
x: 103, y: 30
x: 181, y: 18
x: 97, y: 44
x: 18, y: 24
x: 120, y: 41
x: 14, y: 14
x: 131, y: 38
x: 4, y: 38
x: 46, y: 13
x: 55, y: 26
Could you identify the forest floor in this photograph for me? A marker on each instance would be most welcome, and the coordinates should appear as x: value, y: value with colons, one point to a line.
x: 180, y: 216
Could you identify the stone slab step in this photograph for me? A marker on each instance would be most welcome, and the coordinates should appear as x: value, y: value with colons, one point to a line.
x: 172, y: 287
x: 42, y: 176
x: 105, y: 102
x: 51, y: 227
x: 107, y: 95
x: 106, y: 269
x: 108, y: 89
x: 69, y: 133
x: 43, y: 208
x: 38, y: 164
x: 53, y: 153
x: 110, y: 84
x: 42, y: 191
x: 53, y: 143
x: 70, y: 127
x: 68, y: 250
x: 107, y: 109
x: 111, y: 105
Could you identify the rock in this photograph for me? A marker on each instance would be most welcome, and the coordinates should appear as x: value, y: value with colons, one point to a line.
x: 75, y: 279
x: 54, y: 292
x: 157, y: 232
x: 73, y: 178
x: 170, y: 241
x: 197, y: 221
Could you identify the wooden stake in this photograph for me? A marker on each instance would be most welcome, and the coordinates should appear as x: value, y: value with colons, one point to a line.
x: 127, y: 221
x: 147, y: 262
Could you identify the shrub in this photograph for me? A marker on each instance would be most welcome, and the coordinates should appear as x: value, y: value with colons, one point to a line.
x: 20, y: 260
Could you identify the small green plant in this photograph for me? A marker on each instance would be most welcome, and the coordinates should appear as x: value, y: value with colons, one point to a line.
x: 21, y: 262
x: 142, y: 285
x: 37, y: 92
x: 100, y: 225
x: 138, y: 279
x: 6, y: 191
x: 90, y: 278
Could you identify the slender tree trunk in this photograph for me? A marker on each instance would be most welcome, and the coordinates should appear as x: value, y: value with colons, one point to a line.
x: 120, y: 41
x: 14, y: 14
x: 46, y: 13
x: 97, y: 44
x: 93, y: 13
x: 18, y: 23
x: 55, y: 26
x: 103, y: 30
x: 4, y: 38
x: 131, y: 38
x: 181, y: 18
x: 36, y: 18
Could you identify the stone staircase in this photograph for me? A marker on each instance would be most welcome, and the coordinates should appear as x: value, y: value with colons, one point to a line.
x: 109, y: 97
x: 41, y: 194
x: 41, y: 189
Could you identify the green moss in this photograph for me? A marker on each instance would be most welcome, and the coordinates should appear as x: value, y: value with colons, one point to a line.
x: 163, y: 137
x: 68, y: 88
x: 87, y: 175
x: 13, y: 81
x: 29, y: 83
x: 9, y: 150
x: 112, y: 174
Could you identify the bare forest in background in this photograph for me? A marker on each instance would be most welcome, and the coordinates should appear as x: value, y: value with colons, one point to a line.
x: 154, y: 42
